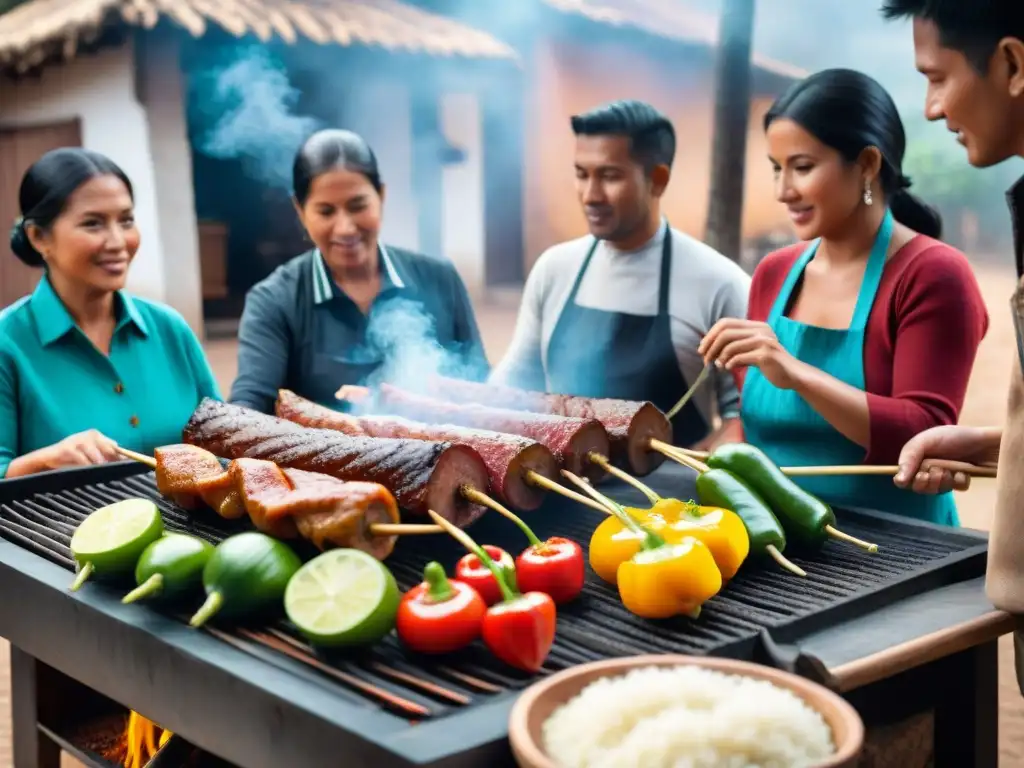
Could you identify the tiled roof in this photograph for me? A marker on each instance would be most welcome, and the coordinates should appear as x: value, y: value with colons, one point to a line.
x: 33, y: 32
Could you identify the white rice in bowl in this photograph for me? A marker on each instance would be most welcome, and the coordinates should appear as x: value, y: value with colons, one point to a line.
x: 686, y: 717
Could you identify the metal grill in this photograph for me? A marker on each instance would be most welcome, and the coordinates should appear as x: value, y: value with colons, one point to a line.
x: 843, y: 582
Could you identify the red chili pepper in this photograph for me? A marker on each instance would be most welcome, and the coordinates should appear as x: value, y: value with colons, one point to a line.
x: 519, y: 630
x: 439, y: 615
x: 471, y: 571
x: 554, y: 567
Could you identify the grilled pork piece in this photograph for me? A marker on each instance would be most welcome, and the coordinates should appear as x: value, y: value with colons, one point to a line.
x: 285, y: 504
x: 422, y: 475
x: 509, y: 458
x: 630, y: 424
x: 191, y: 477
x: 322, y: 509
x: 569, y: 439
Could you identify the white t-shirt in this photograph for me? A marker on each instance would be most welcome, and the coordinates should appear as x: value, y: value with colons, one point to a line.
x: 705, y: 286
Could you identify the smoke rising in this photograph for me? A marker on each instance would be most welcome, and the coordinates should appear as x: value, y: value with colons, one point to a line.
x: 249, y: 107
x: 406, y: 337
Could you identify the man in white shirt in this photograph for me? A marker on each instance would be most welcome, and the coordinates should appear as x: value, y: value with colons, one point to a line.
x: 620, y: 313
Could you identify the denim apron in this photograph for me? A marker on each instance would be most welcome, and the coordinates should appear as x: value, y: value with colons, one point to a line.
x: 594, y: 353
x: 783, y: 425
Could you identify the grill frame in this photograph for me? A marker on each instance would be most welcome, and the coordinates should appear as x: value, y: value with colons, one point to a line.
x: 285, y: 696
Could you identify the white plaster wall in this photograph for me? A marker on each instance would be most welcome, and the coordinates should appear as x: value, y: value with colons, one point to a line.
x: 163, y: 92
x: 462, y: 234
x: 382, y: 116
x: 99, y: 90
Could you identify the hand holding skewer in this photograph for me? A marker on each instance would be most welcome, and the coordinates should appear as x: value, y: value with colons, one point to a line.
x: 968, y: 470
x: 977, y: 445
x: 735, y: 343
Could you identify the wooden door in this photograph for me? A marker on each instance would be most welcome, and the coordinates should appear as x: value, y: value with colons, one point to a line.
x: 19, y: 148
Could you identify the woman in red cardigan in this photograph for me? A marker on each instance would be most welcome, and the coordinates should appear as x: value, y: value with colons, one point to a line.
x: 864, y: 334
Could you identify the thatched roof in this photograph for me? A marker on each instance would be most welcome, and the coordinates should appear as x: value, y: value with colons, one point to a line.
x: 33, y: 32
x: 669, y: 19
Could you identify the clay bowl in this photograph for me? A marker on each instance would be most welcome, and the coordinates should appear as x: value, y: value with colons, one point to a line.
x: 538, y: 701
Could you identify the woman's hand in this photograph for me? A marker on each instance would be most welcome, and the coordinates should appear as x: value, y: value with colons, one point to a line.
x: 83, y: 449
x: 734, y: 343
x: 975, y: 445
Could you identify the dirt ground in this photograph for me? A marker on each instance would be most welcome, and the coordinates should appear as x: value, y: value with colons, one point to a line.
x: 985, y: 405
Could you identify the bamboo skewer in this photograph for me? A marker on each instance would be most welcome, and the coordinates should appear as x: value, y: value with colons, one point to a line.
x: 606, y: 465
x: 377, y: 529
x: 591, y: 491
x: 973, y: 470
x: 687, y: 459
x: 700, y: 467
x: 689, y: 393
x: 550, y: 485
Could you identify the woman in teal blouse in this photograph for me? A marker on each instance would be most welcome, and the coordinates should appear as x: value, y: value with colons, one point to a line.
x: 84, y: 367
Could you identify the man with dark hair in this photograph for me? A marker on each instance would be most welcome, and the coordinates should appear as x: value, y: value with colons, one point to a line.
x: 620, y: 313
x: 973, y: 56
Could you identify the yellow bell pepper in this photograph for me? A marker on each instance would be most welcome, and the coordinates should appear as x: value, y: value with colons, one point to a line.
x: 720, y: 530
x: 665, y: 580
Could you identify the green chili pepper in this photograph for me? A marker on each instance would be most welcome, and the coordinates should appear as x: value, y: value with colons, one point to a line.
x: 720, y: 488
x: 804, y: 516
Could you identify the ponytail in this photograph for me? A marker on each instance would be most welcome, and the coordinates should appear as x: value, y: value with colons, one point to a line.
x: 913, y: 212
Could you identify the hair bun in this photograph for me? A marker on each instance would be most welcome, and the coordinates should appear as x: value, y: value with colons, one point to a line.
x: 904, y: 182
x: 22, y: 247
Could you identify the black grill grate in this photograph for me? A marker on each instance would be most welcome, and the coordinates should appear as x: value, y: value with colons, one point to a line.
x: 842, y: 582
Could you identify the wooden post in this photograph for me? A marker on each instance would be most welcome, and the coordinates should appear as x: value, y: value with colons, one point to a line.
x: 733, y: 76
x: 502, y: 109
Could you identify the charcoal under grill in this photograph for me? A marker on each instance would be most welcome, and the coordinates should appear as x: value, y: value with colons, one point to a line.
x: 761, y: 608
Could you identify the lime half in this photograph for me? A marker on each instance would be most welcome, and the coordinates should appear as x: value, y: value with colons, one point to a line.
x: 110, y: 540
x: 343, y: 597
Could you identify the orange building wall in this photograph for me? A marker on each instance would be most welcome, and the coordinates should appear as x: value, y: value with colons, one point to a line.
x: 571, y: 79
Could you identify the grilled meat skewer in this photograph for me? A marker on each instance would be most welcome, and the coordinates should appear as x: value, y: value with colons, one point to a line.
x: 283, y: 503
x: 509, y: 458
x: 422, y: 475
x: 630, y: 424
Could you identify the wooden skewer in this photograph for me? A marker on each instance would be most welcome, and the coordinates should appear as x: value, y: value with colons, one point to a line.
x: 606, y: 465
x: 550, y: 485
x: 673, y: 453
x: 483, y: 499
x: 403, y: 529
x: 377, y: 529
x: 973, y: 470
x: 835, y: 533
x: 784, y: 561
x: 689, y: 393
x: 587, y: 488
x: 142, y: 458
x: 699, y: 455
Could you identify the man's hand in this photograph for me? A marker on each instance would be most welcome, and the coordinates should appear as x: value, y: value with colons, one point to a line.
x: 733, y: 343
x: 975, y: 445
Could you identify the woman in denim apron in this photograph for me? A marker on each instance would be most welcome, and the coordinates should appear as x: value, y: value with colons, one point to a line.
x: 864, y: 333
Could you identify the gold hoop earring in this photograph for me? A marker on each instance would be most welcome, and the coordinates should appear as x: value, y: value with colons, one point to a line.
x: 869, y: 199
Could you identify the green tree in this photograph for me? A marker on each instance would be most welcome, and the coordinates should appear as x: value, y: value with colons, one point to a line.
x: 942, y: 177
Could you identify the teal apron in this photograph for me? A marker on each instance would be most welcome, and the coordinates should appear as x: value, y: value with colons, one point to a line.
x: 783, y: 425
